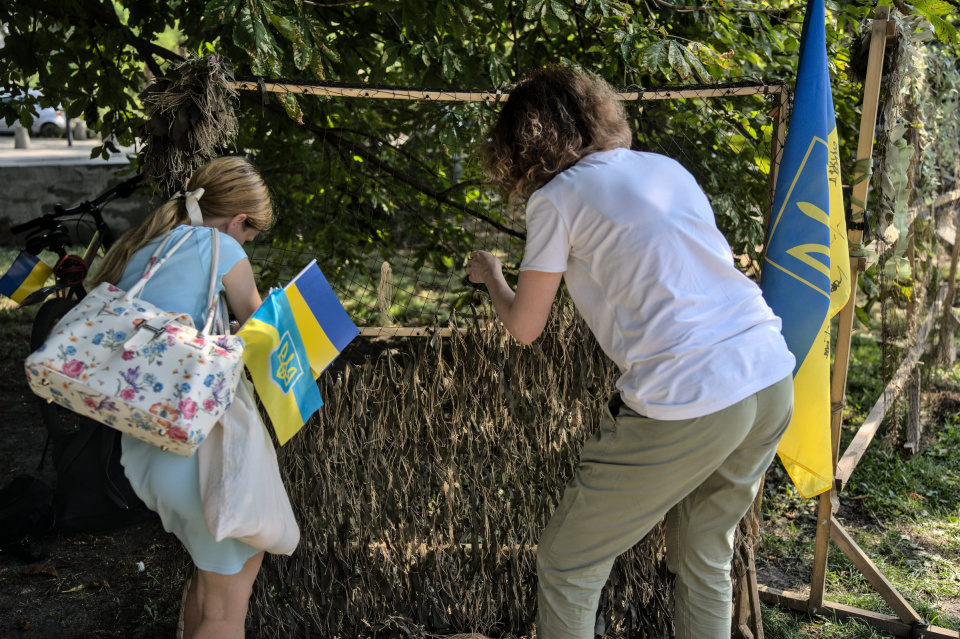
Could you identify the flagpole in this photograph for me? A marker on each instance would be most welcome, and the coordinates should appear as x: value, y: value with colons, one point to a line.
x: 868, y: 123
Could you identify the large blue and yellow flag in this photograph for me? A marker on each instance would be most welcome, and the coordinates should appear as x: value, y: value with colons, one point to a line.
x: 274, y: 354
x: 806, y: 272
x: 27, y: 274
x: 324, y: 324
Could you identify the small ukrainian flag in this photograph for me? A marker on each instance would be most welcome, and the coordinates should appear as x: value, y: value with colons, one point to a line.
x: 27, y: 274
x: 324, y: 324
x: 274, y: 354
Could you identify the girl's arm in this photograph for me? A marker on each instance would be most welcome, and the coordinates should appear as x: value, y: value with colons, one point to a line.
x: 241, y: 289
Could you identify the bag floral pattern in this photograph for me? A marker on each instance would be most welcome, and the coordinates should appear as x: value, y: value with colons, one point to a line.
x: 168, y: 389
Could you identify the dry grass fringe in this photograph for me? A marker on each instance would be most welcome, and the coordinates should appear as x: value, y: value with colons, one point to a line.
x: 425, y: 481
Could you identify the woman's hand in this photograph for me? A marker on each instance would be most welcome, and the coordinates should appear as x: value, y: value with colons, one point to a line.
x: 484, y: 268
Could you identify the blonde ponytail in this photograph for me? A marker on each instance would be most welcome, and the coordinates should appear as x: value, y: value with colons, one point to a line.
x: 231, y: 185
x: 168, y: 216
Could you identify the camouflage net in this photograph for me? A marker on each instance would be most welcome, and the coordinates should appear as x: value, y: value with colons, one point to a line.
x: 423, y: 484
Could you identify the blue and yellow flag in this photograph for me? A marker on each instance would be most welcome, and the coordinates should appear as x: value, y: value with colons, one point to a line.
x: 324, y: 324
x: 806, y: 272
x: 274, y: 354
x: 27, y: 274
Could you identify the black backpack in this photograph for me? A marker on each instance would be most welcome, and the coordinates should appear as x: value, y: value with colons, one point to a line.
x: 92, y: 492
x: 26, y: 515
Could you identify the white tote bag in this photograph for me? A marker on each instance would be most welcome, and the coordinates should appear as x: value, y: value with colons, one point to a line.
x: 241, y: 491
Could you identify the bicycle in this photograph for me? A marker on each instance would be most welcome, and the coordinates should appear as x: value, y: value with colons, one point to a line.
x: 86, y: 501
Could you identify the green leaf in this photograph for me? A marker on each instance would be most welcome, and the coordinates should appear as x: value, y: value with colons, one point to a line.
x: 655, y: 56
x: 677, y: 60
x: 550, y: 23
x: 448, y: 63
x: 701, y: 72
x: 533, y: 9
x: 220, y: 11
x: 246, y: 32
x: 291, y: 106
x: 946, y: 32
x: 559, y: 10
x: 933, y: 7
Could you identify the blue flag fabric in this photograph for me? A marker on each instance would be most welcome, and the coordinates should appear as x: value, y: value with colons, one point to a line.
x: 806, y: 270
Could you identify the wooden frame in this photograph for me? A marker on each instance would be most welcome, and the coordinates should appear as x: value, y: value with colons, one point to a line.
x: 907, y: 622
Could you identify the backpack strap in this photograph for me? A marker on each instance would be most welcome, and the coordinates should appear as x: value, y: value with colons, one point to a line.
x: 213, y: 300
x: 157, y: 260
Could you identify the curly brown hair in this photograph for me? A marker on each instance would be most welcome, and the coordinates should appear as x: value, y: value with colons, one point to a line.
x: 553, y: 117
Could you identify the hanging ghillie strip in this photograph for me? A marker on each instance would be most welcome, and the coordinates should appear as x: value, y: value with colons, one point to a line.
x: 190, y: 119
x: 423, y: 485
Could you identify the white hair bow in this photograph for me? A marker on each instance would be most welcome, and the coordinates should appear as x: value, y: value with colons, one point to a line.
x: 192, y: 200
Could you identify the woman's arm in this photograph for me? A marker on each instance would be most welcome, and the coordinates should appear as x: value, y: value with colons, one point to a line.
x: 524, y: 312
x: 241, y: 289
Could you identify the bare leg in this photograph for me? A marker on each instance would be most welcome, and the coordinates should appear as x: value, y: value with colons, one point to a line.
x: 220, y: 602
x: 191, y: 608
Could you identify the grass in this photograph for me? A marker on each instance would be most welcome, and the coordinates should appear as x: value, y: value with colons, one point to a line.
x: 904, y: 512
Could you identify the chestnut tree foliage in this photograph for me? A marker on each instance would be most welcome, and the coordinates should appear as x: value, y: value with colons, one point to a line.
x: 404, y: 175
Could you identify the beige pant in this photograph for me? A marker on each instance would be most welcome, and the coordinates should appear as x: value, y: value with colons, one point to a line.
x: 702, y: 474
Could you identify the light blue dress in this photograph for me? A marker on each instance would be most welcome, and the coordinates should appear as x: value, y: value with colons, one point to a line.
x: 166, y: 482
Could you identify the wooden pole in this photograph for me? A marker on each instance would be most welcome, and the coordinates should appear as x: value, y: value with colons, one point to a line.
x: 868, y: 122
x: 406, y: 93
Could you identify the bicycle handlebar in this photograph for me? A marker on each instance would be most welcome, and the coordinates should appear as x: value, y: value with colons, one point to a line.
x: 49, y: 220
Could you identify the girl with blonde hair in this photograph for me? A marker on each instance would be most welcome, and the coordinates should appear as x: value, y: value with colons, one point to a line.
x: 228, y: 198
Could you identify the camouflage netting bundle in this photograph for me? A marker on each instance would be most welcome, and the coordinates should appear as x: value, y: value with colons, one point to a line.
x: 190, y: 120
x: 424, y: 482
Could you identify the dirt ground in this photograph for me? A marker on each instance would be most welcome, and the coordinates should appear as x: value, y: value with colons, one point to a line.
x: 125, y: 583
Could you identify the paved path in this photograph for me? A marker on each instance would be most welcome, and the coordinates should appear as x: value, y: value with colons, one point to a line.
x: 55, y: 152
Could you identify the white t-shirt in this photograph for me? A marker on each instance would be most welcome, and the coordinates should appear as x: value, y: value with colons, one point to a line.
x: 655, y: 281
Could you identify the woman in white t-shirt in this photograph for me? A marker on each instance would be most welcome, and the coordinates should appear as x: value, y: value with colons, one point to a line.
x: 705, y: 390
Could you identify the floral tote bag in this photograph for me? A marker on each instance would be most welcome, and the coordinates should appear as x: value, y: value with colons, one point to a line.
x: 134, y: 367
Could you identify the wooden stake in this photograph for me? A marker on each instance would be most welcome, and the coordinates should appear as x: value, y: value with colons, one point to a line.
x: 947, y: 353
x: 914, y: 427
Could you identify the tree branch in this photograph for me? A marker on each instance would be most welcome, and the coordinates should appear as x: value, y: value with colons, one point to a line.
x: 145, y: 48
x: 682, y: 9
x: 335, y: 4
x: 340, y: 143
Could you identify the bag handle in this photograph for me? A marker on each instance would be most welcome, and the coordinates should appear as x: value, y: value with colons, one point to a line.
x: 155, y: 262
x: 213, y: 300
